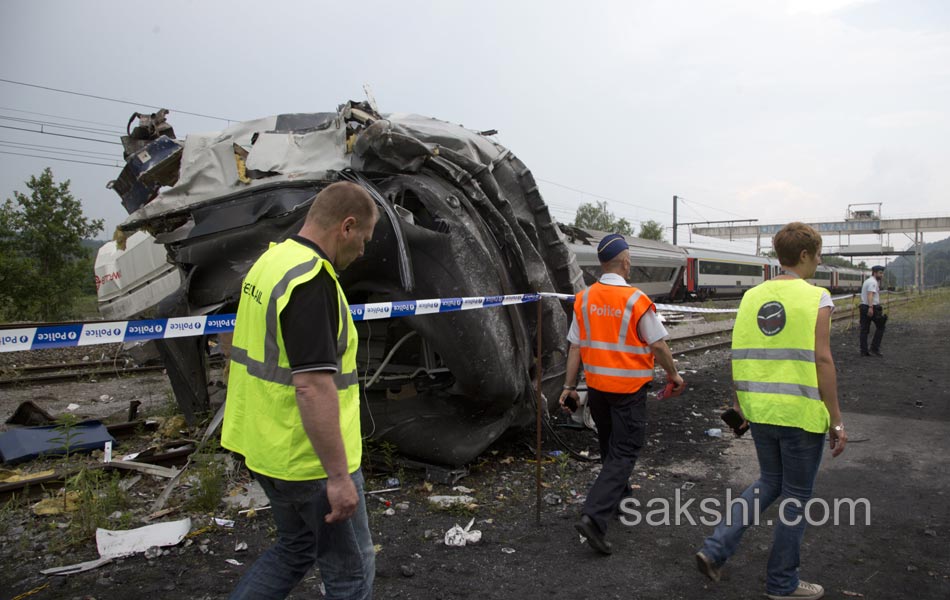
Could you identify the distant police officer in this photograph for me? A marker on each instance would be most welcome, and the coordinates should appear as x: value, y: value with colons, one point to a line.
x: 616, y: 333
x: 872, y: 312
x: 786, y: 387
x: 293, y: 402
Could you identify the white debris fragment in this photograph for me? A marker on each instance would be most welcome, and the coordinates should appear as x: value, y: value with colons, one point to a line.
x: 448, y: 501
x: 456, y: 536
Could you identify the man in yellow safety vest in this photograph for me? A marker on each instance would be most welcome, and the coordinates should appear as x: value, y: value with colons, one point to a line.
x: 293, y: 401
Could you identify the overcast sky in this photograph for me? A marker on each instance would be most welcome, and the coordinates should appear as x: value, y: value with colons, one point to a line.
x: 749, y: 109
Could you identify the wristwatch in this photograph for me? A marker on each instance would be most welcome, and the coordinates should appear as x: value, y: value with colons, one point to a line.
x: 838, y: 428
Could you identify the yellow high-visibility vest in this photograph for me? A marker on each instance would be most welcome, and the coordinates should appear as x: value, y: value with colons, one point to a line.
x: 261, y: 418
x: 773, y: 355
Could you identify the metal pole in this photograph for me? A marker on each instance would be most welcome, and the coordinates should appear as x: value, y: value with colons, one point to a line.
x: 537, y: 454
x: 674, y: 220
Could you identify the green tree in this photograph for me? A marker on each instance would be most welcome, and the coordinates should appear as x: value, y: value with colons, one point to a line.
x: 597, y: 216
x: 43, y: 263
x: 651, y: 230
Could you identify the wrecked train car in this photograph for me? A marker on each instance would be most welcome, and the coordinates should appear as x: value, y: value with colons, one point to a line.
x: 460, y: 216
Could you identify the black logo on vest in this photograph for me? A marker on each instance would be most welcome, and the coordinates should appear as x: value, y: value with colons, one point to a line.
x: 771, y: 318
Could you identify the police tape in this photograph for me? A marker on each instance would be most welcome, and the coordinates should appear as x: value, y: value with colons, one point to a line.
x: 99, y: 332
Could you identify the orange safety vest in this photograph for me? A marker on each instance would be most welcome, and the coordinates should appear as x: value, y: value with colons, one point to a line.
x: 615, y: 358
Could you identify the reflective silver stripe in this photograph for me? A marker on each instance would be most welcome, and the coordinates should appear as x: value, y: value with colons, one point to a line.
x: 268, y: 372
x: 773, y: 354
x: 616, y: 347
x: 345, y: 325
x: 584, y: 315
x: 271, y: 349
x: 789, y: 389
x: 627, y: 314
x: 345, y: 380
x: 618, y: 372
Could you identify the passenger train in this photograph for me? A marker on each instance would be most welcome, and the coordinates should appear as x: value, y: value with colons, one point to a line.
x: 681, y: 273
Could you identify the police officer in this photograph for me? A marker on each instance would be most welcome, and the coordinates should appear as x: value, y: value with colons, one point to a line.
x: 785, y: 383
x: 616, y: 333
x: 293, y: 402
x: 872, y: 312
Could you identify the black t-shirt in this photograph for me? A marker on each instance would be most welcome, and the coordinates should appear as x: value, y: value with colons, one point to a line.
x: 310, y: 320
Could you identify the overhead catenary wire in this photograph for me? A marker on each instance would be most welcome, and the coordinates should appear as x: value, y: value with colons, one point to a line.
x: 118, y: 100
x: 33, y: 112
x: 57, y: 149
x: 82, y: 162
x: 62, y: 125
x: 593, y: 195
x: 66, y: 135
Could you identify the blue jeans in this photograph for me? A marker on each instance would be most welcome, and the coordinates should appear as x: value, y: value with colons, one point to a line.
x: 788, y: 463
x: 343, y: 551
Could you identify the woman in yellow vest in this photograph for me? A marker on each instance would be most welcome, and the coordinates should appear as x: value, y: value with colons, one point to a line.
x: 784, y: 377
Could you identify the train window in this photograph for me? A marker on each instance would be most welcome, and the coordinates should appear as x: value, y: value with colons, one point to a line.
x: 644, y: 274
x: 822, y: 275
x: 707, y: 267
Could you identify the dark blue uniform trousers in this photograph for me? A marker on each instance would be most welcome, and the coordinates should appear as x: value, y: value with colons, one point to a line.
x: 621, y: 421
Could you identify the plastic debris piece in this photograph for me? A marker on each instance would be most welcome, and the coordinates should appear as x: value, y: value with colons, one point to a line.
x: 688, y: 485
x: 16, y: 476
x: 223, y: 522
x: 392, y: 482
x: 449, y: 501
x: 57, y: 506
x: 714, y: 432
x: 458, y: 537
x: 234, y: 562
x: 72, y: 406
x: 18, y: 445
x: 389, y: 512
x: 508, y: 550
x: 240, y: 546
x: 152, y: 552
x: 462, y: 489
x: 116, y: 544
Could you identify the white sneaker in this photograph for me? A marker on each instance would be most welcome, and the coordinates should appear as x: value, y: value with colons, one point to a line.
x: 805, y: 591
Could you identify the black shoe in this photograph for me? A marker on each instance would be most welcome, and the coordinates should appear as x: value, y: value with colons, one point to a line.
x: 863, y: 354
x: 595, y: 538
x: 877, y: 353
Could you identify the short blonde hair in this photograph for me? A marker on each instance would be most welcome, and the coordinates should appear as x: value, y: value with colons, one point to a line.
x: 792, y: 239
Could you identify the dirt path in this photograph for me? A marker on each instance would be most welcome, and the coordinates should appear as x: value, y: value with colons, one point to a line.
x: 898, y: 460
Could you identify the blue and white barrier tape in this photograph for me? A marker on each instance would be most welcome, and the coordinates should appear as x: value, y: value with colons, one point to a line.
x: 99, y: 332
x: 88, y: 334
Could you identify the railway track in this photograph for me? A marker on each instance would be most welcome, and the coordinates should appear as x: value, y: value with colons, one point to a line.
x: 677, y: 343
x: 78, y: 371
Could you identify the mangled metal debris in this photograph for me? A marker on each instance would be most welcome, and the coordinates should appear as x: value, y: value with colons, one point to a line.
x: 460, y: 216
